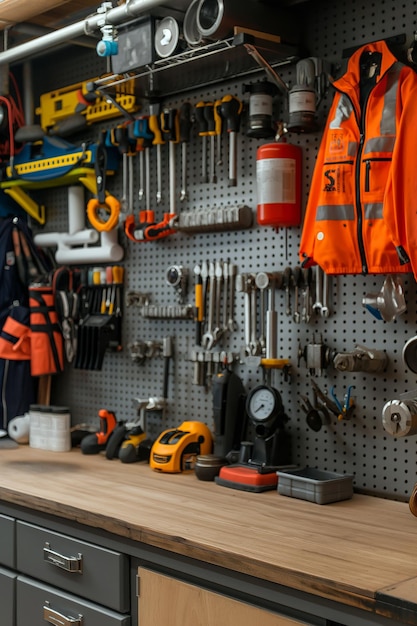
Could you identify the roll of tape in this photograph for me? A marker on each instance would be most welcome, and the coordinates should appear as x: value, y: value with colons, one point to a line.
x: 18, y: 428
x: 399, y: 418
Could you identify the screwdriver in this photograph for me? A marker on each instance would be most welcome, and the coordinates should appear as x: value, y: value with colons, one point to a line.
x: 202, y: 132
x: 109, y: 303
x: 171, y: 127
x: 155, y: 128
x: 142, y: 132
x: 120, y: 138
x: 211, y: 132
x: 185, y: 132
x: 231, y: 109
x: 218, y: 130
x: 118, y: 277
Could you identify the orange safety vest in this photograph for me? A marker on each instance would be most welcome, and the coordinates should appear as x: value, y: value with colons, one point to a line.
x: 362, y: 204
x: 46, y: 337
x: 15, y: 335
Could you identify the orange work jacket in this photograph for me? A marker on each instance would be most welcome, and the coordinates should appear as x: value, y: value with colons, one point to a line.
x: 361, y: 214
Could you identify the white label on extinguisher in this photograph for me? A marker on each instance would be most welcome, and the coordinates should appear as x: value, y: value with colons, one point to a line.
x: 276, y: 180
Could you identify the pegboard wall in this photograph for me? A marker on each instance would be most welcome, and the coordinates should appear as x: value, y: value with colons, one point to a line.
x: 381, y: 464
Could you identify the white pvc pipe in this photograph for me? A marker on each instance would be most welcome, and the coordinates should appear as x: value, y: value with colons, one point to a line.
x: 76, y: 209
x: 118, y: 15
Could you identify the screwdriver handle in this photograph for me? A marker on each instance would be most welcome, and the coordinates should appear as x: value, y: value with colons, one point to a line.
x: 118, y: 274
x: 121, y: 139
x: 231, y: 109
x: 155, y: 128
x: 141, y: 130
x: 217, y: 117
x: 170, y: 124
x: 208, y: 112
x: 201, y: 119
x: 185, y: 122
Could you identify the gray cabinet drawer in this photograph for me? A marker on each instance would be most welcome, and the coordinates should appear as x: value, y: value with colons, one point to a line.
x: 38, y: 604
x: 87, y: 570
x: 7, y: 541
x: 7, y: 597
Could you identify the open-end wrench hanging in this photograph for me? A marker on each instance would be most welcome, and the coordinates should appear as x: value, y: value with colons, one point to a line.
x: 255, y: 347
x: 231, y: 323
x: 218, y: 329
x: 262, y: 280
x: 208, y: 339
x: 306, y: 305
x: 318, y: 303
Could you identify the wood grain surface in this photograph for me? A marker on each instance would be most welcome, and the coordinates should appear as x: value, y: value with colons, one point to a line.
x: 345, y: 551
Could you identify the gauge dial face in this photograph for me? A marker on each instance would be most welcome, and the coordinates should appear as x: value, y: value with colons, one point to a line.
x: 262, y: 404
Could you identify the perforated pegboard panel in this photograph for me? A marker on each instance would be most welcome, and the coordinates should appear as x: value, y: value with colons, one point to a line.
x: 380, y: 463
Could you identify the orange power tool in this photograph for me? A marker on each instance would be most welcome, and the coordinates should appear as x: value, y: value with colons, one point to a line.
x: 96, y: 442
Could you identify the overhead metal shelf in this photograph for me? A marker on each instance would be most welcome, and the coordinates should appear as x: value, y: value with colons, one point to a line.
x: 208, y: 64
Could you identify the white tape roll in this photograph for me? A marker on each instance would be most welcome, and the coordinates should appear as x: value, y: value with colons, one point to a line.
x: 18, y: 428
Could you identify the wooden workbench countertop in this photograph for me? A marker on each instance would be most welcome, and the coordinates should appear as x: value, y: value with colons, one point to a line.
x: 347, y: 551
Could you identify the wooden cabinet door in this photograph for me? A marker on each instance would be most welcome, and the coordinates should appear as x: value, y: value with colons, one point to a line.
x: 171, y: 602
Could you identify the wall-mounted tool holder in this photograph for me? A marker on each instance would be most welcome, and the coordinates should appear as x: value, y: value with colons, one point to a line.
x: 100, y: 316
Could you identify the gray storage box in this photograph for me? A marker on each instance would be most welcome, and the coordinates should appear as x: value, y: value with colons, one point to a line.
x: 315, y: 485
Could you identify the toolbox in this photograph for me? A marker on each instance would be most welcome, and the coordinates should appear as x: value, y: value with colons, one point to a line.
x: 315, y: 485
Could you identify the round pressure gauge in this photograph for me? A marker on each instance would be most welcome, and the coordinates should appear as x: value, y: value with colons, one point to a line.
x: 167, y: 37
x: 264, y: 405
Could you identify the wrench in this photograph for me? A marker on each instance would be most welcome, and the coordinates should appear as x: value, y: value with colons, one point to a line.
x: 318, y: 304
x: 254, y: 345
x: 271, y: 324
x: 208, y: 339
x: 232, y: 324
x: 306, y: 306
x: 325, y: 311
x: 296, y: 276
x: 262, y: 280
x: 242, y: 287
x: 218, y: 330
x: 204, y: 277
x: 225, y: 294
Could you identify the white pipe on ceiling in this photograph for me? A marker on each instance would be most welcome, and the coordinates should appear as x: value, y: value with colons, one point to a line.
x: 115, y: 16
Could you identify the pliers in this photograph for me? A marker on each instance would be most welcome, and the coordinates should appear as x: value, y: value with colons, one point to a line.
x: 345, y: 410
x: 342, y: 412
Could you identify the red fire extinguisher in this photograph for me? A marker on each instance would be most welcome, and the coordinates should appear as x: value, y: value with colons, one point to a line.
x: 278, y: 179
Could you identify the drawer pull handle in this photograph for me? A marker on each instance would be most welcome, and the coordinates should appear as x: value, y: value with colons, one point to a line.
x: 58, y: 619
x: 68, y: 563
